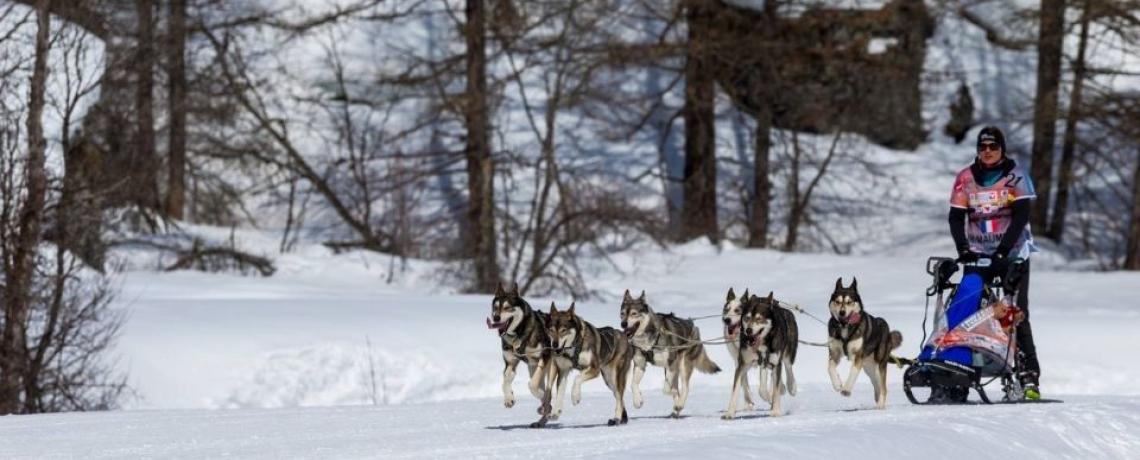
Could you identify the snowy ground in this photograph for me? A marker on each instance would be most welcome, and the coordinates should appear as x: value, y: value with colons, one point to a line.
x: 820, y: 424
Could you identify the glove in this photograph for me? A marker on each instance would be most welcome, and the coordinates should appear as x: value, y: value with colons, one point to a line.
x: 1000, y: 261
x: 966, y: 256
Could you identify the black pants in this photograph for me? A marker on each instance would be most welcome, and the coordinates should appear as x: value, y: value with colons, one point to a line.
x: 1026, y: 349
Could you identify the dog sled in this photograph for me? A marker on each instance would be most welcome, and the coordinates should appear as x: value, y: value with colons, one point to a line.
x: 973, y: 341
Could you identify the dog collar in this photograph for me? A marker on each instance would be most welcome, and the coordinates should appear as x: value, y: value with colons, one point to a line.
x: 512, y: 339
x: 575, y: 349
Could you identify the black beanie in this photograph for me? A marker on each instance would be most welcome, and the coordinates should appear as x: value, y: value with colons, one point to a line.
x: 992, y: 134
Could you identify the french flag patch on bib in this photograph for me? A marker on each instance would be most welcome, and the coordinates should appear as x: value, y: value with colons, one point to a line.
x: 989, y: 226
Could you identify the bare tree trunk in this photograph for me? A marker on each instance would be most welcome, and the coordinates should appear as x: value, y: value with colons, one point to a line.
x: 1132, y: 259
x: 1049, y: 47
x: 698, y: 212
x: 801, y: 201
x: 176, y: 151
x: 480, y: 167
x: 795, y: 212
x: 762, y: 185
x: 14, y: 341
x: 145, y: 162
x: 1065, y: 176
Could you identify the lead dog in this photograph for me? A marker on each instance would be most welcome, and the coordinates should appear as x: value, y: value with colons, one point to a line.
x: 864, y: 339
x: 667, y: 341
x: 770, y: 340
x: 579, y: 345
x: 522, y: 333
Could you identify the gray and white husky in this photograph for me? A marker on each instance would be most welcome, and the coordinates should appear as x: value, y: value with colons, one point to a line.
x: 769, y: 339
x: 864, y: 339
x: 522, y: 331
x: 731, y: 314
x: 579, y: 345
x: 667, y: 341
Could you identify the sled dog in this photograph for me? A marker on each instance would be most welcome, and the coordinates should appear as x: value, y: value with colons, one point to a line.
x: 579, y: 345
x: 769, y: 340
x: 667, y: 341
x: 522, y: 331
x: 733, y: 310
x: 864, y: 339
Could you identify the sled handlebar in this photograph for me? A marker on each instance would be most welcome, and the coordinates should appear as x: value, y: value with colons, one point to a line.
x: 942, y: 268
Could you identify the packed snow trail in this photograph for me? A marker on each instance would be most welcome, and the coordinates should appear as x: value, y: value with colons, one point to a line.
x: 820, y: 424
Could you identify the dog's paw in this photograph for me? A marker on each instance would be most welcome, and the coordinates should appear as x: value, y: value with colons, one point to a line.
x: 555, y: 415
x: 749, y: 406
x: 766, y: 397
x: 776, y: 413
x: 676, y: 412
x: 575, y: 398
x: 728, y: 416
x: 637, y: 401
x: 845, y: 392
x: 667, y: 391
x: 509, y: 402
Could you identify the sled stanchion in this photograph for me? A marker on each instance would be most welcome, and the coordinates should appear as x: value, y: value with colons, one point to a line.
x: 989, y: 343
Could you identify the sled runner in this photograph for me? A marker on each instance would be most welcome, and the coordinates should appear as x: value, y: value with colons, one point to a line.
x: 973, y: 341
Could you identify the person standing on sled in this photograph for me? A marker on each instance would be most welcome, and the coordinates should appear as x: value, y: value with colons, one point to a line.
x: 989, y: 218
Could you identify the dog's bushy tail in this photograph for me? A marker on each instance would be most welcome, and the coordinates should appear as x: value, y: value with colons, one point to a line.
x: 706, y: 365
x: 896, y: 339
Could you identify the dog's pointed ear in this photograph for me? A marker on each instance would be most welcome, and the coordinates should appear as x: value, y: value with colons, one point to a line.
x: 642, y: 297
x: 553, y: 309
x: 744, y: 297
x: 515, y: 289
x: 839, y: 283
x: 627, y: 296
x: 731, y: 295
x: 854, y: 283
x: 571, y: 310
x: 499, y: 292
x: 771, y: 298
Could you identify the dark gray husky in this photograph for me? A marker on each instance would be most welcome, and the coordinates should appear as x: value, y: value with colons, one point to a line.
x: 769, y: 339
x: 522, y: 331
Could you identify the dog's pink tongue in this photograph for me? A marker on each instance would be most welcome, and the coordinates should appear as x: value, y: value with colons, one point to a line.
x: 491, y: 325
x: 853, y: 318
